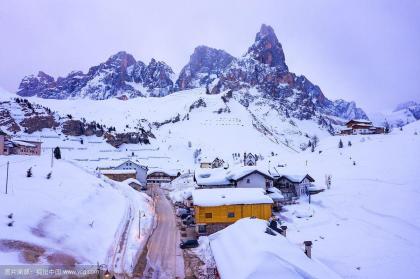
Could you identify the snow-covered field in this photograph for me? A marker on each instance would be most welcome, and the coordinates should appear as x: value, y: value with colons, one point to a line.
x: 73, y: 217
x: 367, y: 225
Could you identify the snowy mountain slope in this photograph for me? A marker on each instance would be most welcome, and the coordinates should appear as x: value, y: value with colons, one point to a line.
x: 262, y: 68
x: 403, y: 114
x: 73, y: 217
x: 216, y: 124
x: 121, y: 75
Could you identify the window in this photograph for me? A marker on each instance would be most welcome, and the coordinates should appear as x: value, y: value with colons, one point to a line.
x: 208, y: 215
x: 248, y: 180
x: 231, y: 215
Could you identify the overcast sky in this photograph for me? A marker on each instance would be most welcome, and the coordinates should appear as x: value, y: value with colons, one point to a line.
x: 366, y: 51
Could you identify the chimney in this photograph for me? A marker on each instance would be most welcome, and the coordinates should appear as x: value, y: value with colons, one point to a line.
x: 308, y: 246
x: 284, y: 229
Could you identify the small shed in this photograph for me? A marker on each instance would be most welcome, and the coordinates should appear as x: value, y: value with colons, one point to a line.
x: 135, y: 184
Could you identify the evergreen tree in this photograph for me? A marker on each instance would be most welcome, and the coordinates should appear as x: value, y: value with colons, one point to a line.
x: 57, y: 153
x: 309, y: 144
x: 340, y: 144
x: 29, y: 172
x: 312, y: 148
x: 207, y: 90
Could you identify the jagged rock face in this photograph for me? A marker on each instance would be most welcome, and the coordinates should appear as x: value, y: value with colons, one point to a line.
x: 267, y: 49
x: 412, y: 107
x: 264, y: 68
x: 120, y: 75
x: 205, y: 65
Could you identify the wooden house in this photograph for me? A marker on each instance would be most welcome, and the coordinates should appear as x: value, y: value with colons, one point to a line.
x: 293, y: 186
x: 361, y: 127
x: 215, y: 209
x: 157, y: 177
x: 10, y: 146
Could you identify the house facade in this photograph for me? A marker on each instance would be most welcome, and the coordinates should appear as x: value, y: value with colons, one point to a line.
x: 255, y: 179
x: 361, y: 127
x: 158, y: 177
x: 141, y: 171
x: 215, y: 209
x: 250, y: 159
x: 9, y: 146
x: 293, y: 186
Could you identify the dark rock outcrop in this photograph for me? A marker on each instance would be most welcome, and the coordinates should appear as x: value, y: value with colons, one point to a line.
x: 120, y: 75
x: 205, y: 65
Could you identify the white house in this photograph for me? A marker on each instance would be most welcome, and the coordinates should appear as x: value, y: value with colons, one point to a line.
x: 141, y: 171
x: 239, y: 177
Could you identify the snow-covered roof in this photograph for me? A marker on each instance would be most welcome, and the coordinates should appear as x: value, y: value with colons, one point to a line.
x: 209, y: 177
x: 222, y: 176
x: 297, y: 178
x: 229, y: 196
x: 137, y: 163
x: 170, y: 172
x: 275, y: 194
x: 237, y: 173
x: 132, y: 180
x: 23, y: 143
x: 114, y: 171
x: 237, y: 256
x: 360, y: 121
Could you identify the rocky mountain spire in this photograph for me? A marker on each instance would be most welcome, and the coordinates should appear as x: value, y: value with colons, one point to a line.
x: 205, y: 65
x: 267, y: 48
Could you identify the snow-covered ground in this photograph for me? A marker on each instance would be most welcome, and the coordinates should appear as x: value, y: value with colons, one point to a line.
x: 367, y: 225
x: 73, y: 217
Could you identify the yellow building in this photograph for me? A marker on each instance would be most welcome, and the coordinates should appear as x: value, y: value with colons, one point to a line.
x: 217, y: 208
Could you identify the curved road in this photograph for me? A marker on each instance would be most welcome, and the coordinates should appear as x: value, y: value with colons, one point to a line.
x: 164, y: 257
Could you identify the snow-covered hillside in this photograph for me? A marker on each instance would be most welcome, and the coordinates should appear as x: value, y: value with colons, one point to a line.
x: 366, y: 225
x: 186, y: 121
x: 403, y: 114
x: 71, y: 218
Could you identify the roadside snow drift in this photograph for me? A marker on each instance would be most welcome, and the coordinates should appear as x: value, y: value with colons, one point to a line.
x: 244, y: 250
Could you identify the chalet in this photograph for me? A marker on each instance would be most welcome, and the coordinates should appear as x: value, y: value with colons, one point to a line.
x: 157, y: 177
x: 293, y: 186
x: 361, y: 127
x: 10, y: 146
x: 141, y: 171
x: 250, y: 159
x: 208, y: 164
x: 237, y: 177
x: 215, y: 209
x: 119, y: 175
x: 135, y: 184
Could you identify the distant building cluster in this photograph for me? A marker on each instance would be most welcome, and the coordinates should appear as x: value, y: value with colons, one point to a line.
x: 9, y: 146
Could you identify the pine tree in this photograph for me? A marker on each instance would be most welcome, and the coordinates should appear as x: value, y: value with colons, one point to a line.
x: 340, y: 144
x: 312, y: 148
x: 309, y: 144
x: 207, y: 90
x: 29, y: 172
x: 57, y: 153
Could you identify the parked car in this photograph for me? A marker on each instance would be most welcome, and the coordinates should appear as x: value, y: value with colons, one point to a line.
x: 185, y: 216
x: 191, y: 243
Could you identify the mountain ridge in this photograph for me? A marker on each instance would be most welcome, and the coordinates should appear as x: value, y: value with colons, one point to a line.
x: 262, y: 67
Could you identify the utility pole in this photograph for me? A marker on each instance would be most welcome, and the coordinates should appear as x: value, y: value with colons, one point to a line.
x: 52, y: 157
x: 7, y: 175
